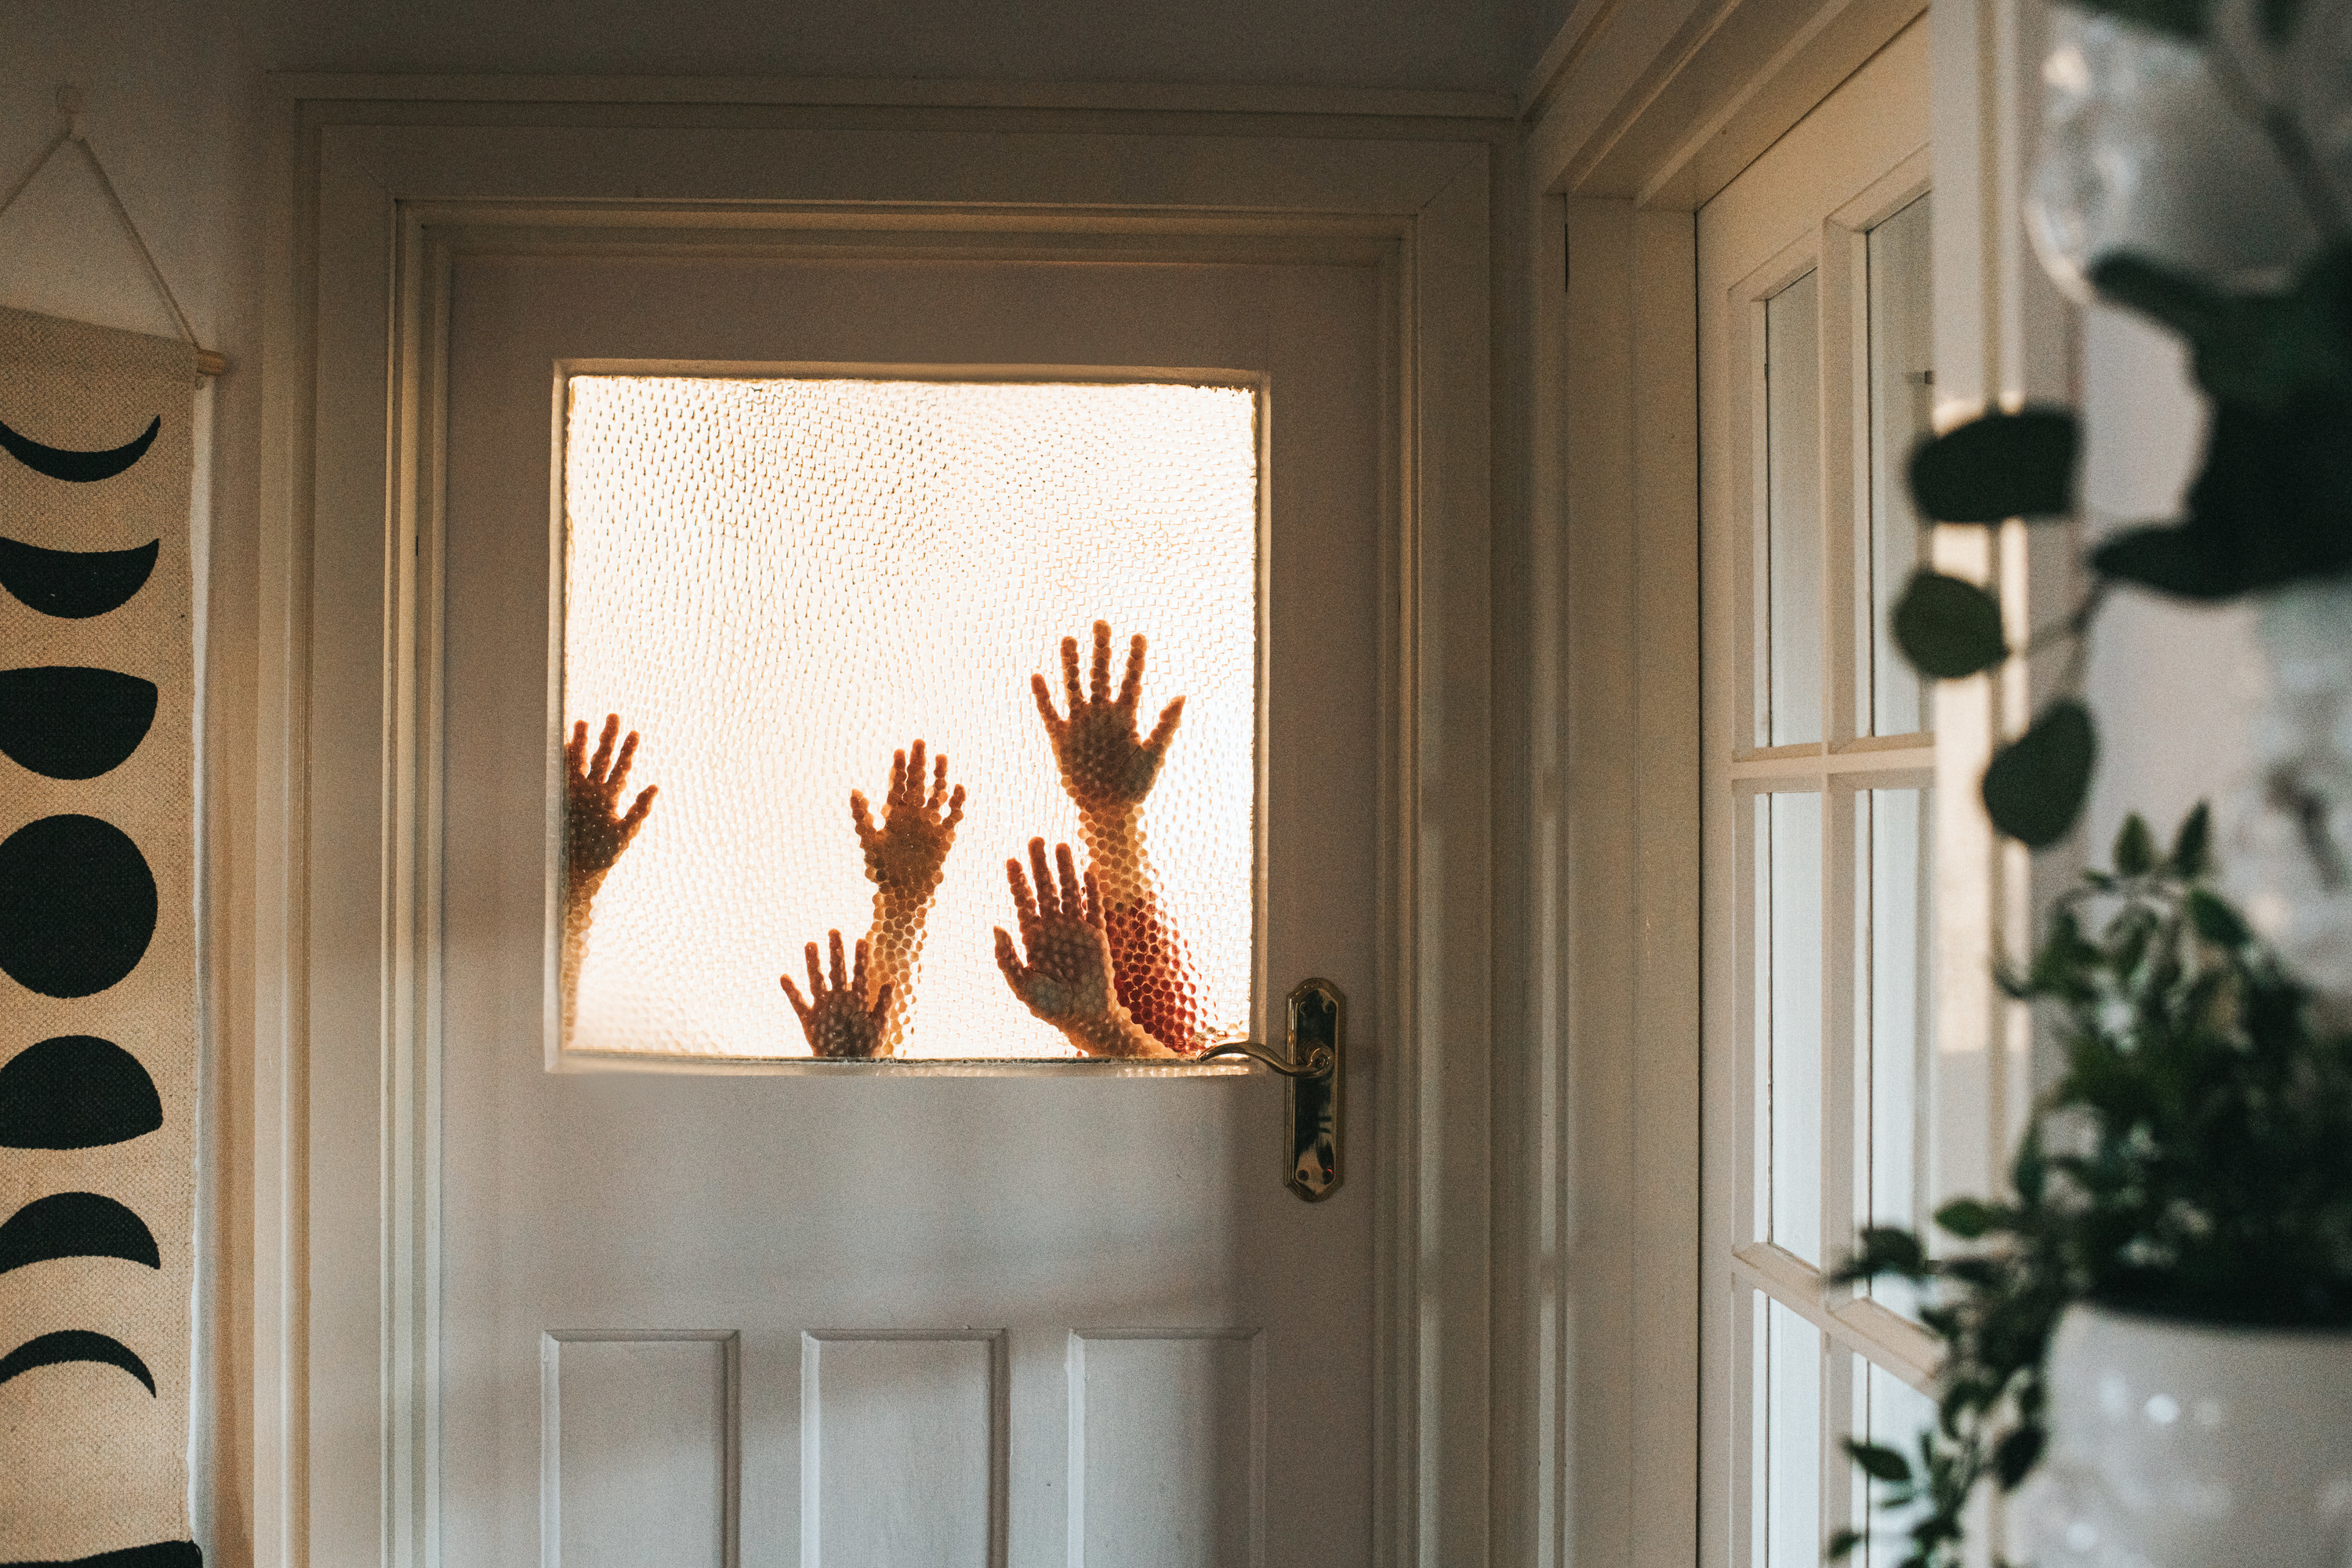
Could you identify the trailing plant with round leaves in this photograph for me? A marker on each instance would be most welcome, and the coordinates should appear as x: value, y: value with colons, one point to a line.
x: 2194, y: 1161
x: 2272, y: 500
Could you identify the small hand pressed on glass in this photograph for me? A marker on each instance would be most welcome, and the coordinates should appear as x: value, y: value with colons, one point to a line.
x: 905, y: 851
x: 836, y: 1018
x: 1067, y: 980
x: 1106, y: 765
x: 595, y: 832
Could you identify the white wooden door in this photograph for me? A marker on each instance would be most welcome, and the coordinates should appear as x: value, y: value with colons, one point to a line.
x: 876, y: 1319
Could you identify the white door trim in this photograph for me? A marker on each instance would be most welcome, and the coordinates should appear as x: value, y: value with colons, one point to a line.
x: 376, y: 192
x: 1637, y: 115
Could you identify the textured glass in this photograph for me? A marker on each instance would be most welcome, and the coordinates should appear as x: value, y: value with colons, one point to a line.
x: 1896, y: 829
x: 1790, y: 866
x: 777, y: 583
x: 1902, y: 405
x: 1792, y: 452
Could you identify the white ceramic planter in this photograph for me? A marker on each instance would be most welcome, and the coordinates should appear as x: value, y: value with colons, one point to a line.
x: 2180, y: 1446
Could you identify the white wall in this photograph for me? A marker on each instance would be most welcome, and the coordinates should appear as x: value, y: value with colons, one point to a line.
x: 2169, y: 683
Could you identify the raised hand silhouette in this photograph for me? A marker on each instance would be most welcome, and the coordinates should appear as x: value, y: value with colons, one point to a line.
x: 838, y: 1019
x: 904, y: 853
x: 1107, y: 768
x: 1067, y: 979
x: 595, y: 832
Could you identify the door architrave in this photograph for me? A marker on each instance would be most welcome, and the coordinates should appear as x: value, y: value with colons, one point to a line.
x: 1635, y: 117
x: 382, y: 181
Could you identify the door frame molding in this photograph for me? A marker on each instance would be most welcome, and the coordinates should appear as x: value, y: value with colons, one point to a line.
x: 377, y: 179
x: 1635, y: 117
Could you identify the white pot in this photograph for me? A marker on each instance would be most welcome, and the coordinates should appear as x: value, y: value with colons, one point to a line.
x: 2285, y: 841
x: 2176, y: 1445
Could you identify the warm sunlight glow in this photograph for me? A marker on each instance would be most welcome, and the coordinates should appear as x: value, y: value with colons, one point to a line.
x: 778, y: 581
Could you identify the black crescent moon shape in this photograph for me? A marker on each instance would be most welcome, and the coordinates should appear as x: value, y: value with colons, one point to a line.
x: 75, y: 1225
x: 76, y: 1091
x: 78, y: 905
x: 75, y: 1344
x: 78, y: 467
x: 71, y: 722
x: 74, y: 584
x: 161, y: 1554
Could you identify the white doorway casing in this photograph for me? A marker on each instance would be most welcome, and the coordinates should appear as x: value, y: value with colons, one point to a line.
x: 383, y: 180
x: 1636, y: 116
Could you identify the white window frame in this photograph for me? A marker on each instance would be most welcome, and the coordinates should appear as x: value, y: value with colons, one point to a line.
x: 1639, y: 116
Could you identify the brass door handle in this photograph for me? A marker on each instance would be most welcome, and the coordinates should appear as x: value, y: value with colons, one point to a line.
x: 1310, y: 1123
x: 1318, y: 1063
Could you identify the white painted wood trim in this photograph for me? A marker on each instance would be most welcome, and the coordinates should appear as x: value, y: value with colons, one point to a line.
x: 345, y: 1152
x: 1636, y: 116
x: 1154, y: 98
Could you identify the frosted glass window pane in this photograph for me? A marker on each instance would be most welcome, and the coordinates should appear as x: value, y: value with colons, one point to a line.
x: 777, y: 582
x: 1792, y: 1443
x: 1895, y: 830
x: 1902, y: 405
x: 1790, y: 869
x: 1792, y: 442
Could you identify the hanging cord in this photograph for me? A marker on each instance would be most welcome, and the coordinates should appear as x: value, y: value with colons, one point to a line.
x: 70, y: 108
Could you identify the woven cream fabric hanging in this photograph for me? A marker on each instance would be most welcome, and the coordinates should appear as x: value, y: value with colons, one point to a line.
x: 97, y: 997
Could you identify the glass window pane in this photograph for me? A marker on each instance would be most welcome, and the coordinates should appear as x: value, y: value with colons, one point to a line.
x: 1893, y: 1414
x: 1902, y: 405
x: 1760, y: 1435
x: 778, y: 583
x: 1894, y: 831
x: 1788, y: 1509
x: 1790, y: 1087
x: 1792, y: 444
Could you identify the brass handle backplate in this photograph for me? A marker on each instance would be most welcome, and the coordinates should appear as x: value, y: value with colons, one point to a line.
x: 1317, y: 1018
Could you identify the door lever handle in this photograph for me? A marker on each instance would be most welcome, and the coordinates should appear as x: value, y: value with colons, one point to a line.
x: 1318, y: 1063
x: 1310, y: 1111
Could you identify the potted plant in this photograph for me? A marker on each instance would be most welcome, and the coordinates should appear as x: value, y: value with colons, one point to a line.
x: 2156, y: 1326
x: 2152, y: 1332
x: 2195, y: 169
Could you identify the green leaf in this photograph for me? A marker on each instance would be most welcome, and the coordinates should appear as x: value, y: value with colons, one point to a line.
x: 1968, y: 1218
x: 2256, y: 350
x: 2215, y: 920
x: 1998, y: 466
x: 1878, y: 1462
x: 1842, y: 1543
x: 2181, y: 18
x: 2185, y: 561
x: 2016, y: 1454
x: 1886, y: 1250
x: 2135, y: 847
x: 2035, y: 786
x: 1949, y: 627
x: 2191, y: 846
x: 2279, y: 18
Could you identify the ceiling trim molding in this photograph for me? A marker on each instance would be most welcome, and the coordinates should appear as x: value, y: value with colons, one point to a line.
x: 837, y: 92
x: 1665, y: 112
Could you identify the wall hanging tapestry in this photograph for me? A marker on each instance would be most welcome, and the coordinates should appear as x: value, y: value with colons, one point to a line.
x: 98, y: 1000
